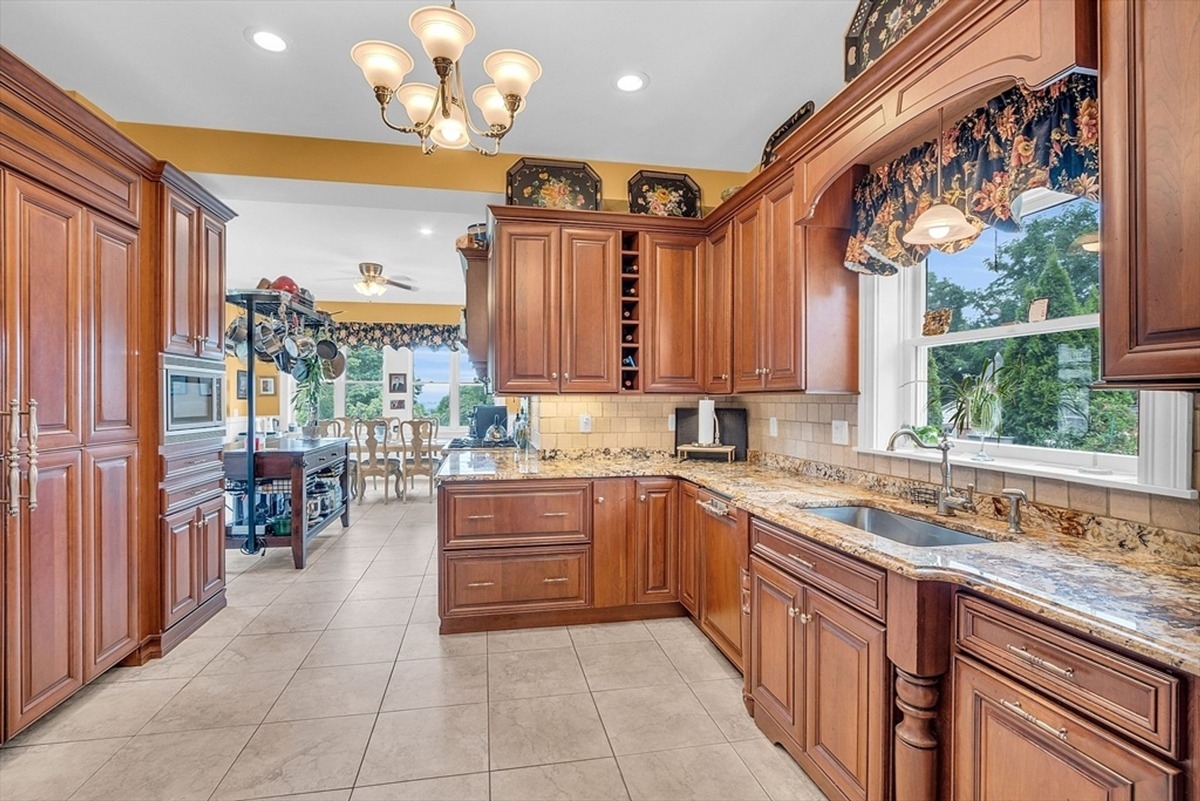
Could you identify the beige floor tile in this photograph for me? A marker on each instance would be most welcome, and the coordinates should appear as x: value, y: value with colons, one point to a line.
x: 298, y: 756
x: 281, y: 618
x: 425, y: 610
x: 103, y: 711
x: 211, y: 702
x: 590, y: 780
x: 178, y: 766
x: 52, y: 772
x: 537, y: 731
x: 698, y: 660
x: 626, y: 664
x: 253, y: 653
x: 429, y: 585
x: 335, y: 571
x: 654, y: 719
x: 229, y: 622
x: 420, y: 683
x: 422, y: 641
x: 528, y: 640
x: 777, y: 772
x: 470, y: 787
x: 532, y: 674
x: 412, y: 550
x: 705, y: 773
x: 315, y: 592
x: 723, y: 701
x: 380, y: 612
x: 330, y: 692
x: 321, y: 795
x: 609, y: 633
x: 423, y: 743
x: 396, y: 567
x: 673, y: 628
x: 252, y: 589
x: 184, y: 661
x: 374, y: 589
x: 355, y: 646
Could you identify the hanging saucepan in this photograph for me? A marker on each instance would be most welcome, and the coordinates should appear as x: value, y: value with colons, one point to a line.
x: 268, y: 338
x: 235, y: 333
x: 300, y: 346
x: 284, y: 361
x: 326, y: 347
x: 300, y: 369
x: 332, y: 369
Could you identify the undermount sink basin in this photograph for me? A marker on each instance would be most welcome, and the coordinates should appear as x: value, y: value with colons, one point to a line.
x: 898, y: 528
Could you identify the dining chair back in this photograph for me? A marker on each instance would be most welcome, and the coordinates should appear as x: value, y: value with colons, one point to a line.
x: 417, y: 438
x: 378, y: 456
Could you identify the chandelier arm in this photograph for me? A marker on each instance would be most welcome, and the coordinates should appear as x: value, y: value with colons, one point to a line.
x: 401, y: 128
x: 460, y: 99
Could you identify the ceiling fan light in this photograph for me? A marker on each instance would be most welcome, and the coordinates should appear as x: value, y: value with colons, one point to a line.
x: 514, y: 71
x: 418, y: 100
x: 444, y: 32
x: 370, y: 288
x: 939, y: 224
x: 382, y: 63
x: 491, y: 105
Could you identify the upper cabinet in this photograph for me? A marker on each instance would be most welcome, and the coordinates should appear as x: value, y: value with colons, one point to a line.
x: 717, y: 321
x: 193, y: 270
x: 673, y: 283
x: 1150, y: 156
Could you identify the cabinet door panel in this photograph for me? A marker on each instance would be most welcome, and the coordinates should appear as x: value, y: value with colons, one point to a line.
x: 528, y: 308
x: 180, y: 322
x: 591, y: 277
x: 747, y: 256
x: 44, y: 610
x: 781, y: 289
x: 999, y: 725
x: 210, y: 547
x: 847, y: 698
x: 689, y: 548
x: 723, y: 553
x: 718, y: 332
x: 110, y: 621
x: 775, y: 681
x: 672, y: 285
x: 44, y: 322
x: 657, y: 532
x: 111, y: 255
x: 181, y: 593
x: 211, y: 289
x: 612, y: 540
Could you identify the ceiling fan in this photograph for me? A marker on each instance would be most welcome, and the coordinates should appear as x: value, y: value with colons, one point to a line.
x: 374, y: 283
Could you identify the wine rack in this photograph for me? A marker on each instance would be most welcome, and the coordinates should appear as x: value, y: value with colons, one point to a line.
x: 631, y: 311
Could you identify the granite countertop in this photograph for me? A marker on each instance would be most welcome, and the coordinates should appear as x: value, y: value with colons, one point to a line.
x: 1140, y: 601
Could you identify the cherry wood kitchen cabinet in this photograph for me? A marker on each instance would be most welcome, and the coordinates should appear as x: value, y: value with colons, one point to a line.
x: 555, y: 313
x: 689, y: 547
x: 673, y: 312
x: 717, y: 325
x: 612, y: 542
x: 723, y: 545
x: 1150, y: 198
x: 656, y: 533
x: 193, y: 257
x: 475, y: 312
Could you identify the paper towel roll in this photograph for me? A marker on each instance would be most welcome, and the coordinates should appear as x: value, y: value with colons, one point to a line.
x: 704, y: 422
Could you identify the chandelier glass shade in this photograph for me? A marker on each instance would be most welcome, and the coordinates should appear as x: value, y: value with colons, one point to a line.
x: 941, y: 222
x: 439, y: 115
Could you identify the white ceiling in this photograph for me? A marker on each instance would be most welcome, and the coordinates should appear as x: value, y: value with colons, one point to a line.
x: 723, y: 74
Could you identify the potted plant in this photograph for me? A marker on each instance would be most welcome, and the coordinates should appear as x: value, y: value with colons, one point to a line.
x: 978, y: 401
x: 307, y: 399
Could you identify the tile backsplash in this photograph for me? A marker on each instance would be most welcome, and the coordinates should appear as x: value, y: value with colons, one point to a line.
x: 804, y: 432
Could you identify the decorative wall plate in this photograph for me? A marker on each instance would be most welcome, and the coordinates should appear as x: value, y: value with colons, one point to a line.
x: 792, y: 123
x: 877, y: 25
x: 553, y: 184
x: 664, y: 194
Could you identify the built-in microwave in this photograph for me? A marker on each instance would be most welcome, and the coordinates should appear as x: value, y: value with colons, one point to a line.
x: 193, y: 399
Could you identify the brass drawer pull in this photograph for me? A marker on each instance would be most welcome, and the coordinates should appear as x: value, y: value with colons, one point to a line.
x: 558, y: 580
x: 480, y: 517
x: 1015, y: 708
x: 554, y: 514
x: 804, y: 563
x: 481, y: 584
x: 1022, y: 652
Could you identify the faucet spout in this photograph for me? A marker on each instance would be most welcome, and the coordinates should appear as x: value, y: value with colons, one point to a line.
x: 948, y: 500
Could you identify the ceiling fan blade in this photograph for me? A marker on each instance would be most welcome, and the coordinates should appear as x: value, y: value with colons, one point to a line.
x: 400, y: 284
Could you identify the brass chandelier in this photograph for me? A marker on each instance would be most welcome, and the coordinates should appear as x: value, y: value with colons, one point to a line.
x: 439, y: 114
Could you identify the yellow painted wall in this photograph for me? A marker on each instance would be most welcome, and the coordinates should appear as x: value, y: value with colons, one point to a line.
x: 437, y: 314
x: 265, y: 405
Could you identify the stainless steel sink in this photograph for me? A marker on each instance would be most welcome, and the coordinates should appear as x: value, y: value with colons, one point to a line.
x: 898, y: 528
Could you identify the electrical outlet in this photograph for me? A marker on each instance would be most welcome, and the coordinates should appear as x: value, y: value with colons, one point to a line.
x: 773, y: 427
x: 670, y: 422
x: 841, y: 432
x: 585, y: 424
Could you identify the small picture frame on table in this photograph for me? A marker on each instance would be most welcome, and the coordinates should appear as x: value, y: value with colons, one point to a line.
x: 1038, y: 309
x: 243, y: 385
x: 266, y: 386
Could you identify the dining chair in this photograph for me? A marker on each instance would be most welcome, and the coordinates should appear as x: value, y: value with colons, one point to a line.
x: 330, y: 428
x: 349, y: 425
x: 377, y: 456
x: 416, y: 436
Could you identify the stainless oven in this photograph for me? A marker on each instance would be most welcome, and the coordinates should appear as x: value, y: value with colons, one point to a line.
x: 193, y: 399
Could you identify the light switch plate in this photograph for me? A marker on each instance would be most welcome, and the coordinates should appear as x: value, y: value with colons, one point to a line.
x: 773, y: 427
x: 670, y: 422
x: 841, y: 432
x: 585, y: 424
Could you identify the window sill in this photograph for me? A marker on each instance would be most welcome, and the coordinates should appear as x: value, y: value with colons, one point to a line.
x: 1123, y: 481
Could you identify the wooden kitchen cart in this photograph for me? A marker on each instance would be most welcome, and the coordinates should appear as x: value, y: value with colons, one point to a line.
x: 290, y: 469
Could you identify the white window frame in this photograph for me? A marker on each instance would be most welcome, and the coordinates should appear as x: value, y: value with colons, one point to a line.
x: 453, y: 429
x: 893, y: 386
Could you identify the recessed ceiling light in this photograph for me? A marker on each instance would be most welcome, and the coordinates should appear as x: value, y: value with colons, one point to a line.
x: 271, y: 42
x: 633, y: 82
x: 426, y: 231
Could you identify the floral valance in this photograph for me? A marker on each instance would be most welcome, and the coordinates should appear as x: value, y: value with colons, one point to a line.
x: 1020, y: 140
x: 397, y: 335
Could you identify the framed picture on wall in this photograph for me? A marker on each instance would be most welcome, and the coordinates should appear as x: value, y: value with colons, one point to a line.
x: 396, y: 404
x: 266, y: 386
x: 397, y: 384
x: 243, y: 385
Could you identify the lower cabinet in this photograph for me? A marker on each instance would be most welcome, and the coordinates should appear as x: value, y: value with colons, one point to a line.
x: 193, y: 558
x: 819, y: 681
x: 518, y: 579
x: 722, y: 534
x: 689, y: 547
x: 656, y: 540
x: 1010, y: 742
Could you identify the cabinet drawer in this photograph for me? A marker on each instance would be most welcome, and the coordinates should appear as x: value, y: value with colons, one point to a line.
x: 860, y: 585
x: 518, y: 580
x: 315, y: 460
x: 517, y: 516
x: 177, y: 466
x: 182, y: 495
x: 1139, y: 700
